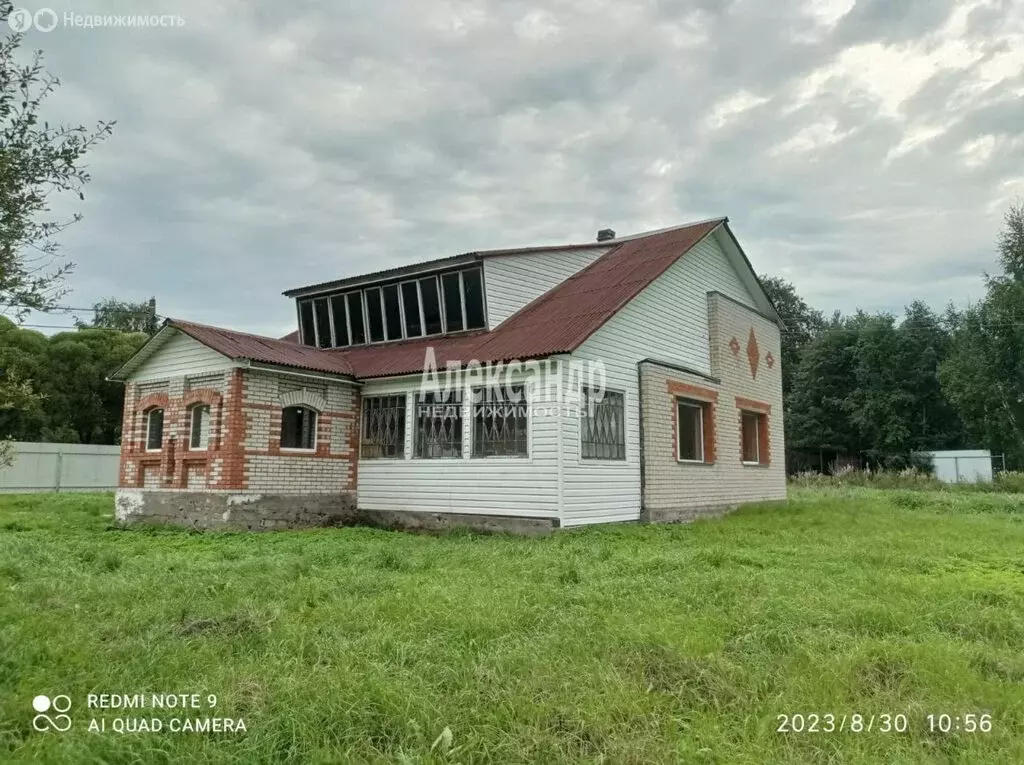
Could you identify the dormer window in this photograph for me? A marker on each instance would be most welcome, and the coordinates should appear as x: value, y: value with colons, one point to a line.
x: 452, y: 301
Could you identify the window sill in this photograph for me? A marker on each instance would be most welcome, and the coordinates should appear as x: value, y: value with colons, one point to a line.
x: 693, y: 462
x: 756, y: 464
x: 296, y: 450
x: 153, y: 451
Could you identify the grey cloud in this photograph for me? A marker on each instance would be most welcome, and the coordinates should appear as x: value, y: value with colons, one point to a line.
x: 263, y: 146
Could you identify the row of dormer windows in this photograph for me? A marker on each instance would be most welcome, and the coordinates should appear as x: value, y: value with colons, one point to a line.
x: 430, y: 305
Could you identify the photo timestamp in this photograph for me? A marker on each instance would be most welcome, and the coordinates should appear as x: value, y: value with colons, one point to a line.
x: 897, y: 722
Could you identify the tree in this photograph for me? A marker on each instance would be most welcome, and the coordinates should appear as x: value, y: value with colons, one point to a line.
x: 73, y: 401
x: 984, y: 374
x: 38, y: 162
x: 802, y: 325
x: 124, y: 316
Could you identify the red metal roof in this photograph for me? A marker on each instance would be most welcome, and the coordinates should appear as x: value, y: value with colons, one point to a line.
x: 241, y: 345
x: 557, y: 322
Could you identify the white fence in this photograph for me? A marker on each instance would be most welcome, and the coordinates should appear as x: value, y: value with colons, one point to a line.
x: 963, y: 466
x: 61, y: 467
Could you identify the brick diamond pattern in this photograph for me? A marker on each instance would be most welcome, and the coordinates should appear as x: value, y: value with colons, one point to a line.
x: 734, y: 346
x: 753, y: 353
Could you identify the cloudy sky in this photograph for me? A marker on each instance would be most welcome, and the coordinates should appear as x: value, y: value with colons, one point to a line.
x: 865, y: 151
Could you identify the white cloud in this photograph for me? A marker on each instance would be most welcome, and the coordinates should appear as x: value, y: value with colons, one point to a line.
x: 263, y: 146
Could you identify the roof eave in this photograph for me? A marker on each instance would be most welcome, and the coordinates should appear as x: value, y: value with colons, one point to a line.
x: 775, y: 315
x: 122, y: 373
x: 381, y: 276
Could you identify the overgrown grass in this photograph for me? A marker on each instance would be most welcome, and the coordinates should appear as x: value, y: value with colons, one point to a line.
x: 626, y: 644
x: 1006, y: 482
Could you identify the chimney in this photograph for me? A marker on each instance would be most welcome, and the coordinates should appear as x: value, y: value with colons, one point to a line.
x: 605, y: 234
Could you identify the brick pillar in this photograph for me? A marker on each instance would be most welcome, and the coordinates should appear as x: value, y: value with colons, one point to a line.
x: 232, y: 450
x: 128, y: 436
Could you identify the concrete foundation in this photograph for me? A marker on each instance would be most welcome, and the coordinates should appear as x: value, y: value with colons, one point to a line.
x: 423, y: 521
x: 684, y: 514
x: 234, y: 510
x: 266, y: 512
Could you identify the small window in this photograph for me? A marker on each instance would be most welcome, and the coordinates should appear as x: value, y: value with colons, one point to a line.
x: 752, y: 424
x: 298, y: 428
x: 323, y: 323
x: 472, y: 283
x: 200, y: 428
x: 355, y: 317
x: 383, y: 432
x: 500, y: 422
x: 307, y: 326
x: 431, y: 305
x: 690, y: 424
x: 451, y: 286
x: 411, y: 307
x: 340, y: 319
x: 374, y: 314
x: 392, y: 312
x: 439, y: 425
x: 602, y: 425
x: 154, y: 430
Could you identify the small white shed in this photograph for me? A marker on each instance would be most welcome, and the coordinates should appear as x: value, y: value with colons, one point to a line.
x: 963, y: 465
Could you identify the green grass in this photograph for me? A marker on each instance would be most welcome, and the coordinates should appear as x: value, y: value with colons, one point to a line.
x: 626, y: 644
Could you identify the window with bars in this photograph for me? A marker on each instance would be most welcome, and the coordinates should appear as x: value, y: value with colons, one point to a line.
x: 500, y: 422
x: 438, y: 425
x: 602, y: 425
x: 383, y: 431
x: 298, y: 428
x: 452, y: 301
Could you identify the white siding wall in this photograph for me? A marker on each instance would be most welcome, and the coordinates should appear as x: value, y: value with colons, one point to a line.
x: 492, y: 486
x: 178, y: 357
x: 514, y: 281
x: 669, y: 322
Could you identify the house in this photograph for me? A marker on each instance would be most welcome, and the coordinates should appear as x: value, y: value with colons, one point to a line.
x: 625, y: 379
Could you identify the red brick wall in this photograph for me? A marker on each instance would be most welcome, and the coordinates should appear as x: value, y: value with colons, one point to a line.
x: 244, y: 451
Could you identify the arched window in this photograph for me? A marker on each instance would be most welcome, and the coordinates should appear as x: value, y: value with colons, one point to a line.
x: 154, y: 430
x: 298, y: 428
x: 199, y: 439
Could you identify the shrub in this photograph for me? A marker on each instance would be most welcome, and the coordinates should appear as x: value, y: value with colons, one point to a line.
x: 1010, y: 482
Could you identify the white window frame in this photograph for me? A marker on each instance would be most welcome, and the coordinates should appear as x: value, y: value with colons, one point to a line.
x: 401, y: 455
x: 625, y: 434
x: 149, y: 424
x: 757, y: 435
x: 699, y: 406
x: 465, y: 413
x: 316, y: 430
x: 525, y: 401
x: 193, y: 410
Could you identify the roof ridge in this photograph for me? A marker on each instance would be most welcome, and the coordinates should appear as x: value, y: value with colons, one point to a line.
x: 178, y: 322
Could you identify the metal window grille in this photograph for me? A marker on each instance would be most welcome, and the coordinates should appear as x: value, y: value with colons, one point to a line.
x: 602, y: 425
x: 383, y: 432
x: 500, y: 422
x: 439, y: 425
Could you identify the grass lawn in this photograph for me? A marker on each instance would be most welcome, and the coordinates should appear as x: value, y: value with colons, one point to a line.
x: 626, y: 644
